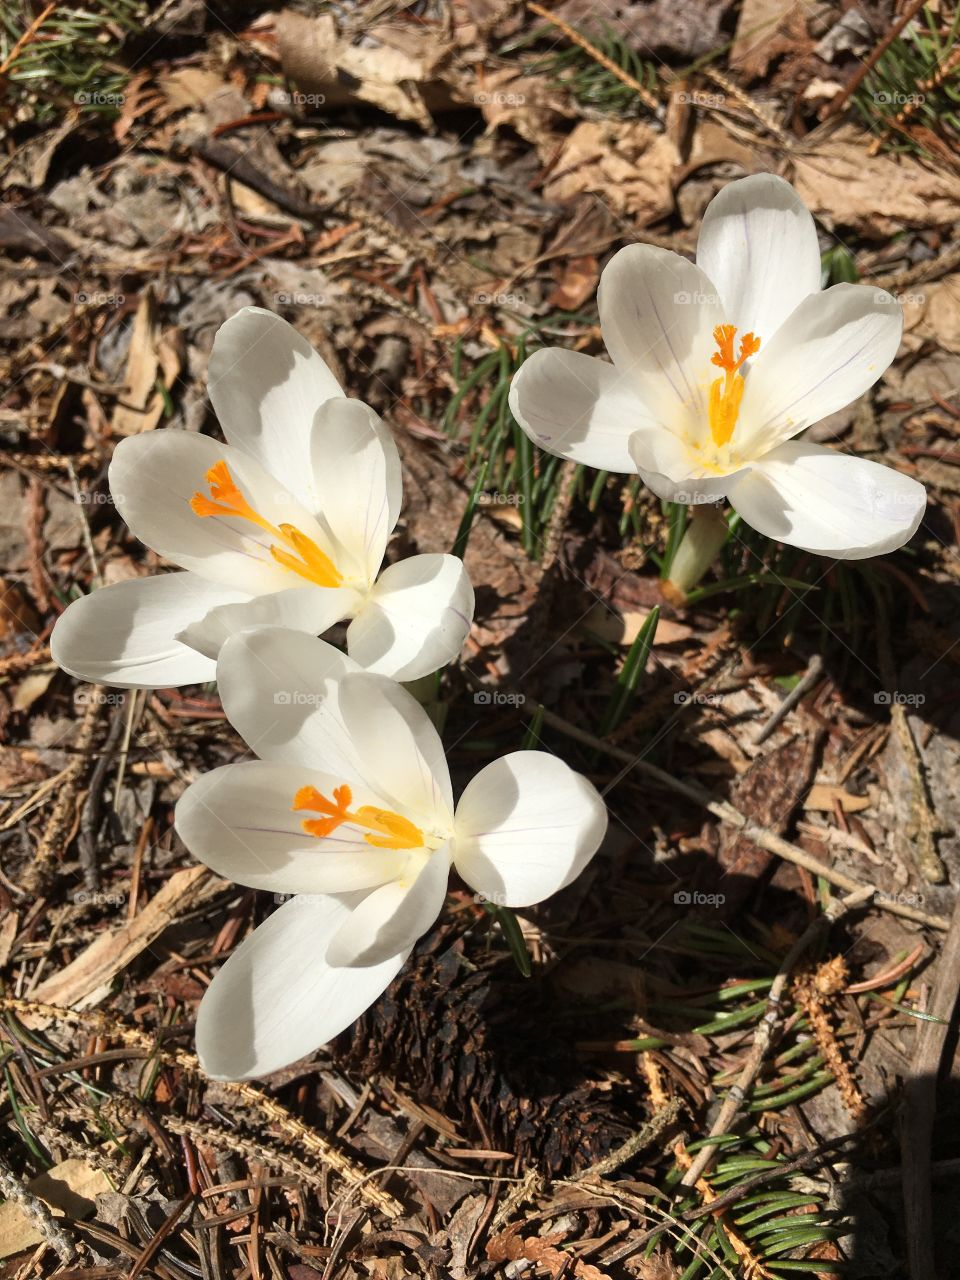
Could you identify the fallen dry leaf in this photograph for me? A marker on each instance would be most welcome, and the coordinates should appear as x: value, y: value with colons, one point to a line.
x: 529, y: 104
x: 111, y: 952
x: 759, y: 36
x: 931, y: 313
x: 69, y: 1188
x: 324, y: 64
x: 878, y: 195
x: 9, y: 926
x: 623, y: 628
x: 190, y: 86
x: 577, y: 282
x: 623, y: 163
x: 823, y: 796
x: 33, y: 686
x: 153, y: 355
x: 17, y: 614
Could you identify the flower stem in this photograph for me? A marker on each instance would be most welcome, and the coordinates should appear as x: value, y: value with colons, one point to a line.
x: 705, y: 534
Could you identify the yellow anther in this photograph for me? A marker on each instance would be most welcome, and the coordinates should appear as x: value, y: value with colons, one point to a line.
x: 299, y: 554
x: 727, y: 392
x: 386, y: 829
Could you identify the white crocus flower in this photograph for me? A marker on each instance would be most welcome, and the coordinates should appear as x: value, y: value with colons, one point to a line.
x: 350, y: 806
x: 286, y: 523
x: 719, y: 365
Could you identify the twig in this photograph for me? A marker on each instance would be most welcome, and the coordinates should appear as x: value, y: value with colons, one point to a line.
x: 90, y: 817
x: 648, y: 1133
x: 17, y: 663
x: 27, y: 36
x: 800, y: 689
x: 11, y: 1188
x: 932, y: 269
x: 782, y: 1170
x: 293, y: 1130
x: 60, y: 821
x: 85, y: 524
x: 132, y: 704
x: 811, y: 993
x: 922, y: 828
x: 942, y: 73
x: 797, y: 1165
x: 726, y: 812
x: 868, y: 63
x: 920, y: 1105
x: 889, y: 977
x: 763, y: 1036
x: 35, y: 503
x: 748, y: 103
x: 553, y: 535
x: 598, y: 55
x: 129, y: 1112
x: 234, y: 164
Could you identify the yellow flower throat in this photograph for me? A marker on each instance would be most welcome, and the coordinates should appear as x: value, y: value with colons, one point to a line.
x: 295, y: 551
x: 727, y: 392
x: 386, y: 829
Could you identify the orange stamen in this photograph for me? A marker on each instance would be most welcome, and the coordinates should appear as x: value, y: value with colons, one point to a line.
x: 304, y: 557
x: 387, y: 830
x: 727, y: 392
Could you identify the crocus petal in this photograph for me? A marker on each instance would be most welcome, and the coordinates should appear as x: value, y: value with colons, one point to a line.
x: 393, y: 917
x: 833, y: 347
x: 828, y: 502
x: 657, y: 314
x: 239, y: 821
x: 415, y: 619
x: 266, y: 384
x: 310, y: 609
x: 758, y: 244
x: 153, y: 477
x: 125, y: 635
x: 668, y: 466
x: 357, y: 481
x: 400, y: 749
x: 577, y: 406
x: 525, y: 827
x: 276, y: 999
x: 278, y: 691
